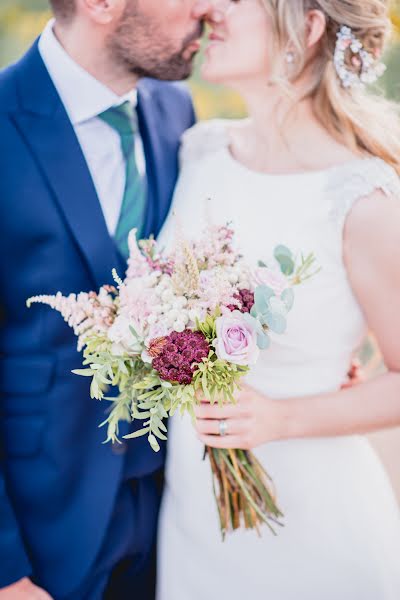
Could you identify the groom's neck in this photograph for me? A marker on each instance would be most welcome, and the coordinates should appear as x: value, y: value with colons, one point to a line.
x: 89, y: 50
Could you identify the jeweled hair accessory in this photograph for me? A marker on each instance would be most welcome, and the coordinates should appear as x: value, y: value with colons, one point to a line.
x: 369, y: 68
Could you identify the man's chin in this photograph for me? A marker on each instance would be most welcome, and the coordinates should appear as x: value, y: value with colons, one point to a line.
x: 179, y: 72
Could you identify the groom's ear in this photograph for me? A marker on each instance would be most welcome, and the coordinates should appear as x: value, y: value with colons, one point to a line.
x: 102, y: 12
x: 315, y: 27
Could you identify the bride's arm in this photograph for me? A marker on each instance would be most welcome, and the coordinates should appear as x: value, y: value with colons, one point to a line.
x: 372, y: 257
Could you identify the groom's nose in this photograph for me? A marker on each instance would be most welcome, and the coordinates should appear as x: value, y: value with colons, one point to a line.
x: 207, y: 10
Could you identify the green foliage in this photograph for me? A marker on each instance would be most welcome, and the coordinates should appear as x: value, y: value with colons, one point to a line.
x: 144, y: 396
x: 207, y: 327
x: 271, y: 316
x: 306, y: 269
x: 218, y: 380
x: 285, y: 259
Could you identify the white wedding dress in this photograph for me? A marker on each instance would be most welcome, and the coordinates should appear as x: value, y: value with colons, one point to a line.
x: 341, y: 534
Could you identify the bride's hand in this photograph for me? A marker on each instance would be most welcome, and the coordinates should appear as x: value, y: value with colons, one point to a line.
x: 254, y: 420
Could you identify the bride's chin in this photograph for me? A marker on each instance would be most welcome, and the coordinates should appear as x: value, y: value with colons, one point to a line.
x: 209, y: 72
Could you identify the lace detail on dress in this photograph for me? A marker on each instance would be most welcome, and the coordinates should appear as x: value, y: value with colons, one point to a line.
x: 202, y: 139
x: 359, y: 179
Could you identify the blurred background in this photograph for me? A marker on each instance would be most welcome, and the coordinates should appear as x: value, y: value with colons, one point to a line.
x: 21, y: 22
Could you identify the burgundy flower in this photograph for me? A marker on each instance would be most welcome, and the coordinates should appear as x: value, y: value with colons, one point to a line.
x: 178, y: 355
x: 245, y: 299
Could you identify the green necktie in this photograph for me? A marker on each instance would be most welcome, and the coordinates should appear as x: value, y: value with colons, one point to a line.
x: 123, y: 119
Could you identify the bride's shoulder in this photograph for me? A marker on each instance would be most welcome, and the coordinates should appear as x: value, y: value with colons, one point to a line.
x: 206, y: 137
x: 360, y: 179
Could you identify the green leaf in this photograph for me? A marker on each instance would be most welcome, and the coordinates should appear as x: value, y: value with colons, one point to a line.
x: 263, y: 341
x: 153, y: 443
x: 288, y: 298
x: 159, y: 423
x: 142, y: 415
x: 158, y: 433
x: 162, y: 411
x: 262, y: 295
x: 83, y: 372
x: 285, y: 259
x: 134, y: 332
x: 146, y: 405
x: 137, y: 434
x: 276, y: 322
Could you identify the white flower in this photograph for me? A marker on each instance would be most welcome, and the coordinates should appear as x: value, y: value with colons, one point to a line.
x: 167, y: 295
x: 180, y: 302
x: 179, y: 326
x: 120, y: 334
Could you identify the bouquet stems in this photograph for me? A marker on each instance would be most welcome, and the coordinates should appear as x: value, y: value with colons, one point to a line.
x: 243, y: 491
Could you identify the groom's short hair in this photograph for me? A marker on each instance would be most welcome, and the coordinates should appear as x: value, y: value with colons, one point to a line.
x: 63, y: 9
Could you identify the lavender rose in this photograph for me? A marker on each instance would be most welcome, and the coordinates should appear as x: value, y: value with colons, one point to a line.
x: 236, y: 340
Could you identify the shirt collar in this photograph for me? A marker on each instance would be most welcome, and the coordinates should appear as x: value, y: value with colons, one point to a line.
x: 68, y: 76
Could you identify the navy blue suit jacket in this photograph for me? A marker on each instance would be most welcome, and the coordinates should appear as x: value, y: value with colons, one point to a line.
x: 58, y: 482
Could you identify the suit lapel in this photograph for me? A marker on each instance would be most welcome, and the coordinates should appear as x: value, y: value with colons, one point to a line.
x: 152, y: 150
x: 45, y: 125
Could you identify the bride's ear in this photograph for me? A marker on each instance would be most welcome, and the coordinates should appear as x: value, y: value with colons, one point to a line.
x: 315, y: 27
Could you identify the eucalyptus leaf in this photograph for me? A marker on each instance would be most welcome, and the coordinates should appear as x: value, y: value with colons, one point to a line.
x: 263, y: 341
x: 276, y: 322
x: 278, y: 307
x: 262, y: 295
x: 285, y: 259
x: 288, y: 298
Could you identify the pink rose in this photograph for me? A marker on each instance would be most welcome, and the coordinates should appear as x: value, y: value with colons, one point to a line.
x: 236, y: 340
x: 273, y: 278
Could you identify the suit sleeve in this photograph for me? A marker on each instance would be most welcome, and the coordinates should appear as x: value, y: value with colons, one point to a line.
x: 14, y: 562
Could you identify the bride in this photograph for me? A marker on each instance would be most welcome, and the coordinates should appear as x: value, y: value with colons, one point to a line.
x: 315, y: 167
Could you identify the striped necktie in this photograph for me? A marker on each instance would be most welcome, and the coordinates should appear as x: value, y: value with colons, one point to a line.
x: 123, y: 119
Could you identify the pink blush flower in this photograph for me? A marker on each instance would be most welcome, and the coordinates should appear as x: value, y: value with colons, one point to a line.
x: 236, y: 340
x: 273, y: 278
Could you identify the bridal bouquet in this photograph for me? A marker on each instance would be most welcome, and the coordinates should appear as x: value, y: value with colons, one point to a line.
x: 181, y: 327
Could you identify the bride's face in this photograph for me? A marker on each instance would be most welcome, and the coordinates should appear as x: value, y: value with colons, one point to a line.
x: 238, y: 48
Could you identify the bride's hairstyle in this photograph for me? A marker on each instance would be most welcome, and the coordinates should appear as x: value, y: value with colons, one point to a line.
x: 363, y: 121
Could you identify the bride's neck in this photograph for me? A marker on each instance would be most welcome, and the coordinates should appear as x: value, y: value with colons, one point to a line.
x: 279, y: 129
x: 275, y: 129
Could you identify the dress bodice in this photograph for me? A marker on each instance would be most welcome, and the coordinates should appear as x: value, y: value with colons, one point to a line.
x: 304, y: 211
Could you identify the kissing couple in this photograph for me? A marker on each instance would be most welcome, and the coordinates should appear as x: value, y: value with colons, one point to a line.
x: 97, y: 138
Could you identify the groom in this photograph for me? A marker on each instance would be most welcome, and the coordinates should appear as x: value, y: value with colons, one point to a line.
x: 85, y: 155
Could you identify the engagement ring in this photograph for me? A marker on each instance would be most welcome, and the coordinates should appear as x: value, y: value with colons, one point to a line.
x: 223, y: 428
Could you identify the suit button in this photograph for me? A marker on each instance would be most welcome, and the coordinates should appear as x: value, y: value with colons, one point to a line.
x: 119, y: 449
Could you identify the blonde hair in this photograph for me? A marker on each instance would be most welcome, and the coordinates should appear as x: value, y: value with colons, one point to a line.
x: 365, y: 122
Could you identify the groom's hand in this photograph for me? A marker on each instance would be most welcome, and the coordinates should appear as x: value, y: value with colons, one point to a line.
x: 24, y: 589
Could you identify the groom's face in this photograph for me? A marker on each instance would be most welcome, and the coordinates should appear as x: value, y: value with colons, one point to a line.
x: 158, y: 38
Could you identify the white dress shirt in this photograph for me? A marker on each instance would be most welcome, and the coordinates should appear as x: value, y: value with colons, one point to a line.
x: 84, y: 98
